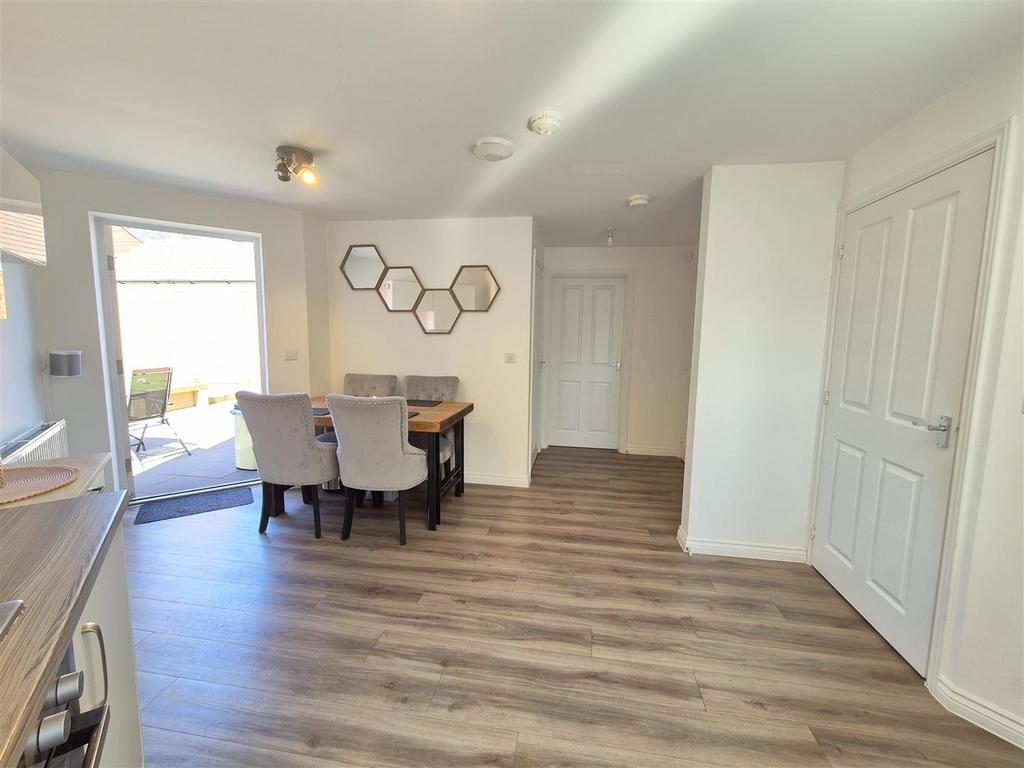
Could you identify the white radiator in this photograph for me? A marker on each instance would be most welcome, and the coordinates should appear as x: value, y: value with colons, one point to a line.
x: 47, y: 441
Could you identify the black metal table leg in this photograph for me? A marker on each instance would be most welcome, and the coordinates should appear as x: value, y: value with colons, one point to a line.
x: 433, y: 480
x: 460, y: 469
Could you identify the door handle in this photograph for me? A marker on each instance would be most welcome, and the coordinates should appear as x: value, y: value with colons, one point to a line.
x: 944, y: 428
x: 617, y: 365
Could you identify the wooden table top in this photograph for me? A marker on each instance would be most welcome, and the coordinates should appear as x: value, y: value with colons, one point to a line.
x: 437, y: 418
x: 50, y: 554
x: 88, y: 468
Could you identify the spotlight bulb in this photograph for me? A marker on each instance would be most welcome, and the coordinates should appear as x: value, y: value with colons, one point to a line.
x: 308, y: 176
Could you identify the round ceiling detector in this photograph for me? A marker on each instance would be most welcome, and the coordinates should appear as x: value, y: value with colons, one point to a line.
x: 544, y: 123
x: 493, y: 148
x: 638, y: 201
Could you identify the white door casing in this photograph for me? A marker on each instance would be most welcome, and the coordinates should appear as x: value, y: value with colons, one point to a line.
x: 907, y: 285
x: 585, y: 360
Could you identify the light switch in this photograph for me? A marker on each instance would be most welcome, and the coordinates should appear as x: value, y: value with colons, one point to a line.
x: 291, y: 354
x: 510, y: 357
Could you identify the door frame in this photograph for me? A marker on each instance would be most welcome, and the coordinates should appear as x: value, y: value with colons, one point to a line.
x: 106, y: 299
x: 982, y: 359
x: 627, y: 344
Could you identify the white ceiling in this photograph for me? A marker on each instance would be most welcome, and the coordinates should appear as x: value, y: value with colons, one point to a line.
x: 391, y: 96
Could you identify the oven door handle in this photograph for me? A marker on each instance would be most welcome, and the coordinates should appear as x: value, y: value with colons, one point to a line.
x: 93, y: 628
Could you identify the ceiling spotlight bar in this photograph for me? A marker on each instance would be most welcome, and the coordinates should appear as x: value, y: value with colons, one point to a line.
x: 609, y: 233
x: 295, y: 161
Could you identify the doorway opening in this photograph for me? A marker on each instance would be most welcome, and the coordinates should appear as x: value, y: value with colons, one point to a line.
x: 186, y: 311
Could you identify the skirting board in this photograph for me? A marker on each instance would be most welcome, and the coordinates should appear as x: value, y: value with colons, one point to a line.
x: 640, y: 450
x: 740, y: 549
x: 511, y: 481
x: 993, y: 719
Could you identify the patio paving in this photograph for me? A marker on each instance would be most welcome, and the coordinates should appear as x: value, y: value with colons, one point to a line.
x: 165, y: 467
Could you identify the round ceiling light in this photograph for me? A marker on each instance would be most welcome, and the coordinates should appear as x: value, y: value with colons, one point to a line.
x: 544, y: 123
x: 493, y: 148
x: 638, y: 201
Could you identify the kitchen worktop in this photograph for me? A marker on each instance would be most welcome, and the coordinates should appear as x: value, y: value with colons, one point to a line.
x: 50, y: 554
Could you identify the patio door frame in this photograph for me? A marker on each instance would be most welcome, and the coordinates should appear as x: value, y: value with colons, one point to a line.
x: 110, y: 337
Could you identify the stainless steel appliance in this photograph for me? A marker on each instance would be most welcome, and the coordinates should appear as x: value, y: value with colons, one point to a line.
x: 64, y: 735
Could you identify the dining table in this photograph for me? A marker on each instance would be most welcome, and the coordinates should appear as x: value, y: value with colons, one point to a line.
x: 431, y: 420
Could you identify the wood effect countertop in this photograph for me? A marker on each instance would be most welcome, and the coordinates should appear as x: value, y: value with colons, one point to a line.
x: 90, y: 469
x: 433, y: 418
x: 50, y: 554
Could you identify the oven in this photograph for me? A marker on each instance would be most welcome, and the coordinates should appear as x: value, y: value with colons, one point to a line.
x: 69, y: 731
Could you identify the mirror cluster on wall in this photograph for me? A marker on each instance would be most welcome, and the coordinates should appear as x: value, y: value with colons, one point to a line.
x: 400, y: 288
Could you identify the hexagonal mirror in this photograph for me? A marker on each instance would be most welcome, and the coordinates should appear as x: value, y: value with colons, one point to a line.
x: 437, y: 310
x: 474, y: 288
x: 362, y: 267
x: 400, y: 289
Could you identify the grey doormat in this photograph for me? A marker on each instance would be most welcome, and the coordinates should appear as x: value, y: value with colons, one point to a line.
x: 152, y: 511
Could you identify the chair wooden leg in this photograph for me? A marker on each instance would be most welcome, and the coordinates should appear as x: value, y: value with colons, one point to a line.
x: 268, y: 502
x: 401, y: 517
x: 314, y: 492
x: 360, y: 496
x: 307, y: 494
x: 346, y: 527
x: 278, y: 507
x: 378, y: 498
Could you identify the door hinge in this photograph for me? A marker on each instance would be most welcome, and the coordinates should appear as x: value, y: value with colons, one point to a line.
x: 842, y: 250
x: 814, y: 530
x: 128, y: 465
x: 119, y: 367
x: 110, y: 262
x: 826, y: 397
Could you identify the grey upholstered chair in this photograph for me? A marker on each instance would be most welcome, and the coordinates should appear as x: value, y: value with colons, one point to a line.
x: 374, y: 452
x: 434, y: 388
x: 370, y: 385
x: 431, y: 387
x: 286, y: 452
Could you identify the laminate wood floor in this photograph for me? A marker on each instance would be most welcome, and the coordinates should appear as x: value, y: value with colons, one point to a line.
x: 558, y: 625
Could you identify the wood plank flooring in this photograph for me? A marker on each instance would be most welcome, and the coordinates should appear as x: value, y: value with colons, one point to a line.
x: 558, y: 625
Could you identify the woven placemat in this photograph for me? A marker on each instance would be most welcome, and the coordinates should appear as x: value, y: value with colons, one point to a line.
x: 26, y: 482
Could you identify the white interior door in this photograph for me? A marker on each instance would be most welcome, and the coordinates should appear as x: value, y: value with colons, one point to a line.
x: 585, y: 358
x: 906, y: 295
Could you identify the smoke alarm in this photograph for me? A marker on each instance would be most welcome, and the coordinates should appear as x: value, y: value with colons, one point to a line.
x: 493, y: 148
x: 544, y: 123
x: 638, y: 201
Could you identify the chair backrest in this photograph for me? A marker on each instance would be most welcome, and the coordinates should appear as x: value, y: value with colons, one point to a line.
x: 370, y: 385
x: 431, y: 387
x: 282, y: 434
x: 373, y: 435
x: 149, y: 393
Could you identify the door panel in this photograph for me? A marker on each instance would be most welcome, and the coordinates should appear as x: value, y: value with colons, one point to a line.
x: 905, y: 300
x: 588, y: 324
x: 862, y: 325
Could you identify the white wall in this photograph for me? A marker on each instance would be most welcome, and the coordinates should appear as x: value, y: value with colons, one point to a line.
x: 71, y: 319
x: 366, y: 338
x: 16, y: 182
x: 318, y: 308
x: 21, y: 350
x: 658, y: 348
x: 763, y: 274
x: 981, y: 665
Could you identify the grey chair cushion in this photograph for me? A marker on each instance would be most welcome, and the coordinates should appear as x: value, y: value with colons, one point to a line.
x: 373, y: 438
x: 431, y: 387
x: 282, y: 439
x: 435, y: 388
x: 370, y: 385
